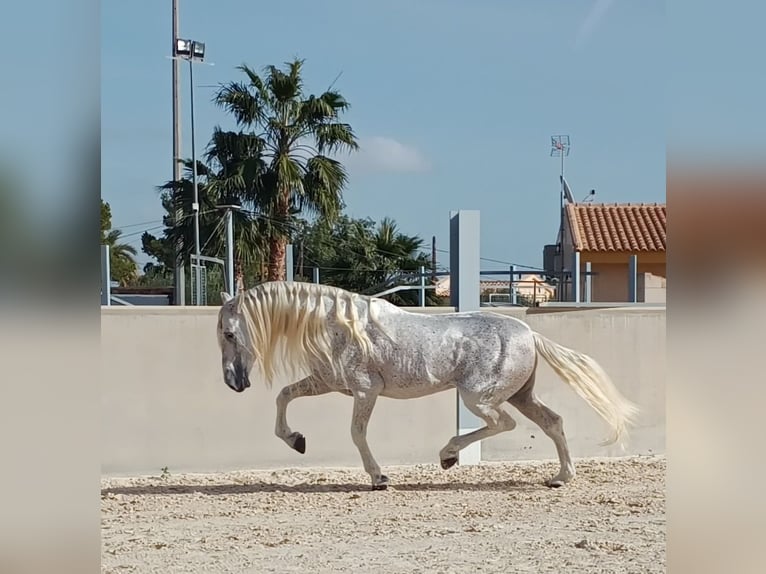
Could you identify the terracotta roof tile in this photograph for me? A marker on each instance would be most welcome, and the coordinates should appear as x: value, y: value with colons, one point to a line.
x: 637, y: 227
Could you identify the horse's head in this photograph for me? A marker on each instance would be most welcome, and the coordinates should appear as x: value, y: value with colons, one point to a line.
x: 236, y: 348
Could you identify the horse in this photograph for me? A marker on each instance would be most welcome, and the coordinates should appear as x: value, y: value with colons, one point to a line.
x: 332, y: 340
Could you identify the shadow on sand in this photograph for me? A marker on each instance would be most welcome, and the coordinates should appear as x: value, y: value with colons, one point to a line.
x: 316, y: 488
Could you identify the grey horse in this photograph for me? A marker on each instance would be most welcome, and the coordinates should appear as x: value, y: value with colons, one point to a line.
x: 334, y: 340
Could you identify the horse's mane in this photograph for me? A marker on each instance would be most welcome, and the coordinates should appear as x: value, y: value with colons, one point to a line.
x: 286, y: 323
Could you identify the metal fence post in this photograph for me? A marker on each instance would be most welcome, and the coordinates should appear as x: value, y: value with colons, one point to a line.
x: 422, y: 286
x: 511, y: 288
x: 106, y: 277
x: 289, y: 262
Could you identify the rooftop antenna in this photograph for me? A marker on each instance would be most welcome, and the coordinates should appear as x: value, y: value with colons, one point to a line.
x: 560, y: 148
x: 589, y: 198
x: 335, y: 80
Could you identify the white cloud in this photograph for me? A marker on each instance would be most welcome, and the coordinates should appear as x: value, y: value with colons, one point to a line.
x: 592, y: 20
x: 379, y: 154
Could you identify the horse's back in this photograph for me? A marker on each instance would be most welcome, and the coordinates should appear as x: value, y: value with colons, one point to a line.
x: 428, y: 353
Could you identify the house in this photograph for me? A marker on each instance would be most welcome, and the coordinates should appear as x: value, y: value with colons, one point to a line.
x: 534, y: 289
x: 530, y: 289
x: 606, y: 236
x: 486, y: 287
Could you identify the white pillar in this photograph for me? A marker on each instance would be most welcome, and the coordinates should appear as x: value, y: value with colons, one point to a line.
x: 576, y: 277
x: 633, y: 279
x: 465, y: 296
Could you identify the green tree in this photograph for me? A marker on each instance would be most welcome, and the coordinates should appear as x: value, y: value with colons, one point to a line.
x: 364, y: 256
x: 121, y: 255
x: 294, y: 135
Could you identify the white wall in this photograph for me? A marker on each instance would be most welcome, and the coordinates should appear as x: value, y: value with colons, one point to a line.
x: 165, y: 403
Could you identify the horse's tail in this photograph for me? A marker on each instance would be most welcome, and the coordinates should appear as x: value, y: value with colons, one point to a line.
x: 589, y: 380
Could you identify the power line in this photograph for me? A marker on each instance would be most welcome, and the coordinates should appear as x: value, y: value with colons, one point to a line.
x: 332, y: 243
x: 530, y: 267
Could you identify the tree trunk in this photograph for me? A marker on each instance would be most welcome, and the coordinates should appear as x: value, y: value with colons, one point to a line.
x: 277, y: 250
x: 278, y: 242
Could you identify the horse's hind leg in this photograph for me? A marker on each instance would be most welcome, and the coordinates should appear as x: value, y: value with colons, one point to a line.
x: 497, y: 418
x: 307, y: 387
x: 551, y: 424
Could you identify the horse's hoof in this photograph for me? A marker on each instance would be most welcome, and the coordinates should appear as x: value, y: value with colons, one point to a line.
x: 554, y: 483
x: 449, y: 462
x: 299, y: 443
x: 382, y: 485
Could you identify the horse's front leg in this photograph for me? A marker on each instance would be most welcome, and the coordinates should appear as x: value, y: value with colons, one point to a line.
x: 364, y: 402
x: 308, y: 387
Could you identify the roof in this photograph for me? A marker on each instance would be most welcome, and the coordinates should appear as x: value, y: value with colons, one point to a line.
x: 639, y: 227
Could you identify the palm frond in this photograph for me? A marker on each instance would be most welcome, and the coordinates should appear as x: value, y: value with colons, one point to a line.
x: 285, y: 85
x: 247, y: 108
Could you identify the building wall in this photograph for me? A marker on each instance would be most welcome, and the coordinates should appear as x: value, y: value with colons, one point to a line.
x: 164, y: 402
x: 611, y: 283
x: 651, y: 288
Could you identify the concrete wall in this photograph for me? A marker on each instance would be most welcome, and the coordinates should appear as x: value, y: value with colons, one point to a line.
x: 630, y: 345
x: 165, y: 403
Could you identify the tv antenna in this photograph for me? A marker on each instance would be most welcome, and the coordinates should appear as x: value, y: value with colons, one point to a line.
x: 560, y: 148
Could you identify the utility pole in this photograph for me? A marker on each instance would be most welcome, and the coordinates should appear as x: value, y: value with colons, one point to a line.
x: 179, y: 281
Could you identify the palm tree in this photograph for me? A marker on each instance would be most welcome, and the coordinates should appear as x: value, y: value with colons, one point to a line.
x: 400, y: 257
x: 213, y: 188
x: 365, y: 256
x: 121, y: 257
x: 403, y: 252
x: 293, y: 172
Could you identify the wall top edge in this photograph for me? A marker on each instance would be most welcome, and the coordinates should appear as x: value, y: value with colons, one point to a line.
x: 118, y: 310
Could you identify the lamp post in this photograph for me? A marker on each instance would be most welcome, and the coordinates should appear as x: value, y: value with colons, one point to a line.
x: 193, y: 52
x: 229, y: 207
x: 179, y: 282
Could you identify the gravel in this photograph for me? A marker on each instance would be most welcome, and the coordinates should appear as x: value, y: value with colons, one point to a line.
x: 495, y: 517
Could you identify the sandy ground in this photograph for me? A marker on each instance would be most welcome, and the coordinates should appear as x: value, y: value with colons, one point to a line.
x: 488, y: 518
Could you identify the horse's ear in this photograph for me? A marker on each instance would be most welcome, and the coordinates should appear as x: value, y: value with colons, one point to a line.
x: 225, y: 297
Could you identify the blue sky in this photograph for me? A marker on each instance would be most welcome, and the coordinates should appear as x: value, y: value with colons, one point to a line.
x: 454, y: 103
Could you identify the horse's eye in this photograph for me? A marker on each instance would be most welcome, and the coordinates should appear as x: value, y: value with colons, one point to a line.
x: 229, y: 336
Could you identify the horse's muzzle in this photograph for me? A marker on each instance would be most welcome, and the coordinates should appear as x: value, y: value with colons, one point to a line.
x: 236, y: 378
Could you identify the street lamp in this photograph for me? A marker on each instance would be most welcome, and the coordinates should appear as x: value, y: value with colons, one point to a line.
x: 229, y: 206
x: 193, y: 52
